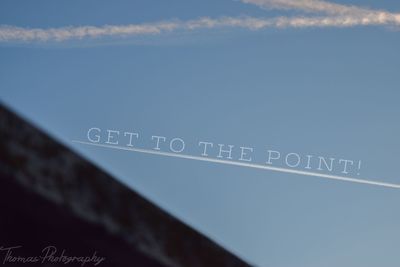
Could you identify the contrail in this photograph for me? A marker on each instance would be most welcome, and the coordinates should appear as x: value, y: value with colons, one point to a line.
x: 353, y: 14
x: 334, y: 15
x: 20, y: 34
x: 244, y: 164
x: 312, y: 6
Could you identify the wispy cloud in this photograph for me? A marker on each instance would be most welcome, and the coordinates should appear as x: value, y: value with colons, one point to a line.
x: 327, y: 15
x: 315, y: 6
x: 350, y: 15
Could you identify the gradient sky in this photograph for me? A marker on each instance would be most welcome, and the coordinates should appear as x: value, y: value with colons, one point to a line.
x: 323, y: 91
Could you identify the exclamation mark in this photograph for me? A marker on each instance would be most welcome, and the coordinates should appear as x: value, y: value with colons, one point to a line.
x: 359, y: 167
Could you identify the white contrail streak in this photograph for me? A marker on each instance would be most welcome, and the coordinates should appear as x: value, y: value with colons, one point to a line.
x: 352, y: 14
x: 334, y: 15
x: 315, y: 6
x: 244, y: 164
x: 12, y: 33
x: 20, y: 34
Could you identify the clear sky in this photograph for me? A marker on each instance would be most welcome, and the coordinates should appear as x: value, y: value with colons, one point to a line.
x: 321, y: 90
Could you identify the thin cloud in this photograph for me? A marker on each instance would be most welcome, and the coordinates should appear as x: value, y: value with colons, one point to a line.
x: 350, y: 15
x: 329, y: 15
x: 312, y: 6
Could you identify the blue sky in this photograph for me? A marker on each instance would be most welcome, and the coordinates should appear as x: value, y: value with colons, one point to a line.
x: 328, y: 91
